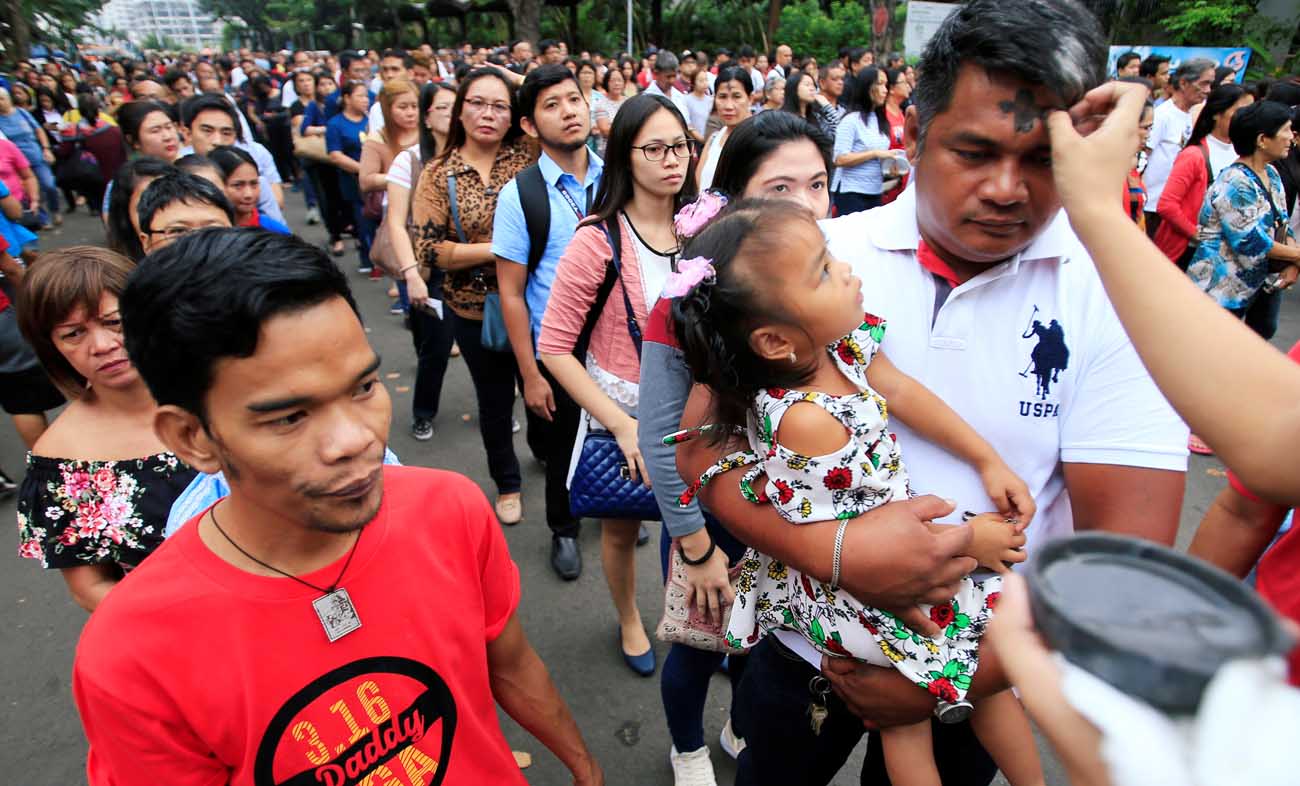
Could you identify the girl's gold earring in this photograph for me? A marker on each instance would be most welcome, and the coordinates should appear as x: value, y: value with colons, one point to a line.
x: 793, y: 359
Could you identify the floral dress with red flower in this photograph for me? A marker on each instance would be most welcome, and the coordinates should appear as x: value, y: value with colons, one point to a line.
x: 73, y: 512
x: 865, y: 473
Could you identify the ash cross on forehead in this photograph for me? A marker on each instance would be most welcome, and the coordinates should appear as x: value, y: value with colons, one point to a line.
x: 1024, y: 108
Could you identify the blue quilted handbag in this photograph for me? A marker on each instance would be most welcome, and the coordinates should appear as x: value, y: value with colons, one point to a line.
x: 600, y: 488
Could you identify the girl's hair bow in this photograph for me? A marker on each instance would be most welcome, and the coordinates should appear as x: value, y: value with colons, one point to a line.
x: 690, y: 273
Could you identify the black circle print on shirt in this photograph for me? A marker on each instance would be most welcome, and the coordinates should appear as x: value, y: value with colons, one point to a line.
x: 383, y: 745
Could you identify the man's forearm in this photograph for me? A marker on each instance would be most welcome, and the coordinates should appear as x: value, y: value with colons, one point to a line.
x: 520, y: 330
x: 527, y: 694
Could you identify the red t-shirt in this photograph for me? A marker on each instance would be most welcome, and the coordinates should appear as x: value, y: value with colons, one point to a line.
x: 1277, y: 576
x: 897, y: 141
x: 194, y: 672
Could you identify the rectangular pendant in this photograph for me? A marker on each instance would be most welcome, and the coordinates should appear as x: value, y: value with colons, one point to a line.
x: 337, y: 614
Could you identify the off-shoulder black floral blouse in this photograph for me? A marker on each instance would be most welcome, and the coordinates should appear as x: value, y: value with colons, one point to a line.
x: 73, y: 512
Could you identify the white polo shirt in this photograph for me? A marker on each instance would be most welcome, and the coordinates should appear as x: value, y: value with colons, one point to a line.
x: 1069, y: 389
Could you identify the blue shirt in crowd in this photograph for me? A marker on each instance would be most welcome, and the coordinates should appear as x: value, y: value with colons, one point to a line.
x: 510, y: 232
x: 344, y: 135
x: 20, y: 127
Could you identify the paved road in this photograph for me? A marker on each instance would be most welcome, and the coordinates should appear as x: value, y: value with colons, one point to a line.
x: 571, y: 624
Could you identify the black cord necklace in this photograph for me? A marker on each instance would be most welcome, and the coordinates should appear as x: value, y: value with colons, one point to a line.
x: 334, y: 607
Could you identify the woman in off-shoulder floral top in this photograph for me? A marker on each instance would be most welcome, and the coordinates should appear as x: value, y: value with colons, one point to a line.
x: 99, y: 482
x: 73, y: 512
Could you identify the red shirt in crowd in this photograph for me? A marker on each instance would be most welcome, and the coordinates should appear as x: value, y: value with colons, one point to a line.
x: 195, y: 672
x: 1277, y: 577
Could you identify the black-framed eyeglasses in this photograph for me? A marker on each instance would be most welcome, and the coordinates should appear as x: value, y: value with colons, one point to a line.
x: 655, y: 151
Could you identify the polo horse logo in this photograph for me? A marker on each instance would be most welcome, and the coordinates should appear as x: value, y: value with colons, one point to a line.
x: 1049, y: 357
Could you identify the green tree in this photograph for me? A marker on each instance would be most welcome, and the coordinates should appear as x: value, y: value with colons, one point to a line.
x: 810, y: 31
x: 53, y: 20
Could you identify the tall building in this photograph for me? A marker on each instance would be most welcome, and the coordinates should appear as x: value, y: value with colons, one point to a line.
x: 181, y: 21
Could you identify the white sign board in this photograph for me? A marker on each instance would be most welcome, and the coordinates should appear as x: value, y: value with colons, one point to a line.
x: 922, y: 20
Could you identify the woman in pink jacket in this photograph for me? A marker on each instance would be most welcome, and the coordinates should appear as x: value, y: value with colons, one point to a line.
x: 1207, y: 151
x: 648, y: 176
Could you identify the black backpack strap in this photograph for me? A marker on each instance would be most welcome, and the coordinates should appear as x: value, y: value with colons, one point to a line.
x: 593, y: 315
x: 537, y: 212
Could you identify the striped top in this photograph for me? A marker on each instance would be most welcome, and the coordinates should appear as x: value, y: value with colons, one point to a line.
x: 855, y: 135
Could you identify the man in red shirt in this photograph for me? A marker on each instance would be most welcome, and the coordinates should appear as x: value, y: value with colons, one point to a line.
x: 333, y: 621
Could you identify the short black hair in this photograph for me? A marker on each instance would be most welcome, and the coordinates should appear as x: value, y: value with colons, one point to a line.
x: 1012, y: 37
x: 547, y: 43
x: 180, y: 187
x: 206, y: 296
x: 173, y: 76
x: 540, y: 79
x: 402, y: 53
x: 228, y: 158
x: 744, y: 51
x: 122, y: 236
x: 203, y: 102
x: 1151, y: 65
x: 194, y: 162
x: 1123, y: 60
x: 1262, y: 117
x: 1285, y: 93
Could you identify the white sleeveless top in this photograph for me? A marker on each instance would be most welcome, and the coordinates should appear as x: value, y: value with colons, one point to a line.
x: 714, y: 153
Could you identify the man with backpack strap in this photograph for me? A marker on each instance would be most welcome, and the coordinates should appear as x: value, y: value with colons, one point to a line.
x: 536, y: 216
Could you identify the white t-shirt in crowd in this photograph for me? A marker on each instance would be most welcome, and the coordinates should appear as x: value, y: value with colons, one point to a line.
x: 1169, y: 132
x: 1221, y: 154
x: 399, y: 172
x: 376, y: 118
x: 676, y: 96
x: 655, y: 268
x: 757, y: 78
x: 981, y: 351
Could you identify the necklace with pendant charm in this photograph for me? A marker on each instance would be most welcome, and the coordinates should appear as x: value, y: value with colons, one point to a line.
x: 338, y: 617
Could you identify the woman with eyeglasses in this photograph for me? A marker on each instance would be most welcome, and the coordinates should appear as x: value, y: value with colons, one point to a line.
x: 452, y: 209
x: 648, y: 176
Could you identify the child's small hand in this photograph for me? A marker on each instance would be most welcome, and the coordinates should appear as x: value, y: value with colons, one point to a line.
x: 1009, y: 493
x: 996, y: 542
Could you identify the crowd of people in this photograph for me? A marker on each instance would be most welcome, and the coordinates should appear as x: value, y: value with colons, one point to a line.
x: 712, y: 277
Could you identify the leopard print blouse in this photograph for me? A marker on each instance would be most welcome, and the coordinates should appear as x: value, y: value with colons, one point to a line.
x: 434, y: 232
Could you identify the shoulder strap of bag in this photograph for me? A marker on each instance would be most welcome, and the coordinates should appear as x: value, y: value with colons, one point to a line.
x: 455, y: 209
x: 597, y: 306
x: 612, y: 236
x: 1205, y: 154
x: 537, y: 212
x: 1277, y: 214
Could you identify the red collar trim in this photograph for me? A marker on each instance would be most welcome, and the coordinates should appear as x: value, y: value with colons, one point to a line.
x: 931, y: 262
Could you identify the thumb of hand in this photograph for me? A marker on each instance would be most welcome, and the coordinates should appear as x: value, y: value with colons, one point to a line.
x: 919, y: 622
x: 954, y: 541
x: 1061, y: 129
x: 929, y: 507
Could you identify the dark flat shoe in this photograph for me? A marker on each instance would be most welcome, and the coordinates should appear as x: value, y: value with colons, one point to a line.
x: 643, y: 664
x: 566, y: 558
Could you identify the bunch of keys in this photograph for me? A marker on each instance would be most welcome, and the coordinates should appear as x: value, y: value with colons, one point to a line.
x: 819, y: 687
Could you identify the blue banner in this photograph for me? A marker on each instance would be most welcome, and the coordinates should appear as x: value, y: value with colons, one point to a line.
x: 1235, y: 58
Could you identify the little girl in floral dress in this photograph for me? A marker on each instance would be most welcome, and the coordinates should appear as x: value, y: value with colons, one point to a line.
x: 774, y: 326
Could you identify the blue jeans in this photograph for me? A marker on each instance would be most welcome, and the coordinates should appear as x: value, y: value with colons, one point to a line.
x: 684, y: 680
x: 365, y: 230
x: 847, y: 202
x: 49, y: 191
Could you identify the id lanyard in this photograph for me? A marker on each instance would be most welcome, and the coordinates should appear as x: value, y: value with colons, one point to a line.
x: 564, y: 192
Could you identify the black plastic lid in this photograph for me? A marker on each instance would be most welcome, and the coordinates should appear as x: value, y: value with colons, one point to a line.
x: 1150, y: 621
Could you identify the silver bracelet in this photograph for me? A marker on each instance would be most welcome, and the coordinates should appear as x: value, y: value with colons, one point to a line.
x: 839, y: 548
